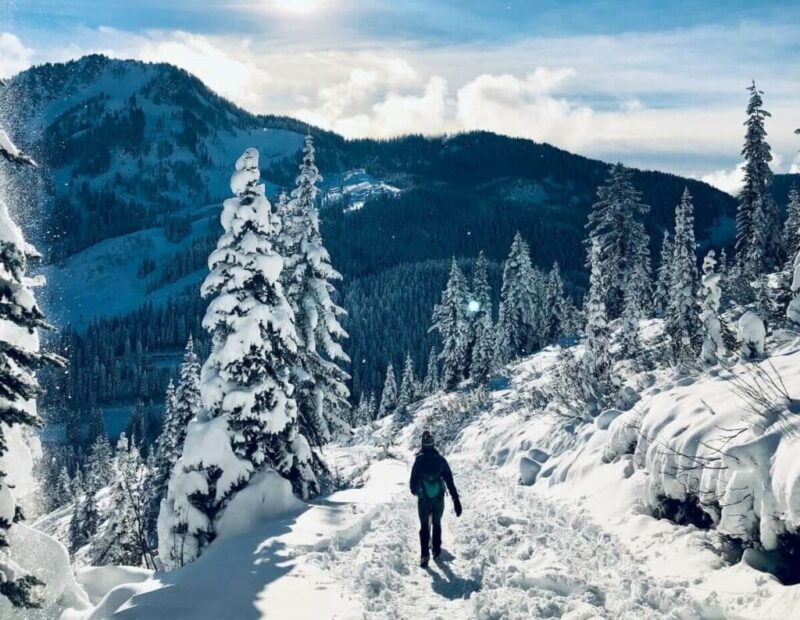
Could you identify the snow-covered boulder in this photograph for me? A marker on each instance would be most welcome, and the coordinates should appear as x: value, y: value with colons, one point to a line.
x: 604, y: 420
x: 528, y: 470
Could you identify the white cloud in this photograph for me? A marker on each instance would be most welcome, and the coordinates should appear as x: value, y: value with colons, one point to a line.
x: 524, y: 107
x: 230, y: 72
x: 14, y: 56
x: 623, y: 97
x: 730, y: 181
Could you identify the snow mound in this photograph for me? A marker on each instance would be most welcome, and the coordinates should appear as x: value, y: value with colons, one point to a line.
x: 267, y: 496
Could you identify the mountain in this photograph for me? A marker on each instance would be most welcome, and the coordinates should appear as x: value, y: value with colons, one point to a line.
x: 134, y: 163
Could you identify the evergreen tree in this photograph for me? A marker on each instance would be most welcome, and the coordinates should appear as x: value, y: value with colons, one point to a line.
x: 519, y: 320
x: 630, y: 342
x: 99, y: 464
x: 360, y: 414
x: 479, y: 302
x: 793, y: 310
x: 483, y: 351
x: 595, y: 365
x: 123, y: 539
x: 758, y: 242
x: 245, y: 386
x: 623, y: 246
x: 791, y: 227
x: 181, y: 405
x: 372, y: 408
x: 724, y: 276
x: 682, y: 322
x: 389, y: 394
x: 482, y: 328
x: 557, y: 305
x: 77, y: 483
x: 321, y: 384
x: 450, y: 320
x: 20, y: 358
x: 713, y: 347
x: 764, y: 305
x: 250, y: 309
x: 85, y: 518
x: 663, y: 283
x: 431, y: 382
x: 407, y: 393
x: 63, y: 488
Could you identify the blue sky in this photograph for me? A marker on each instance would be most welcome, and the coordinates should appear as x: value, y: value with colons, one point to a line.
x: 654, y: 84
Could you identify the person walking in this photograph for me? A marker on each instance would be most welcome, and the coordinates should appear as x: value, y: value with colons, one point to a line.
x: 430, y: 476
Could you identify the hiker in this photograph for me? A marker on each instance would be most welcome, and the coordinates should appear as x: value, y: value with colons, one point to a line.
x: 429, y: 476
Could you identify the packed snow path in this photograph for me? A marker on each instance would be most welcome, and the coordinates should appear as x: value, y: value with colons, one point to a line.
x: 514, y: 553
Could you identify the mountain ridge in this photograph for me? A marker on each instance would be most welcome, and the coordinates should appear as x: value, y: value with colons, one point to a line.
x: 136, y: 159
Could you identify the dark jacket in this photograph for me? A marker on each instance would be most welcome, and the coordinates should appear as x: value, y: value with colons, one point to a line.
x: 430, y: 464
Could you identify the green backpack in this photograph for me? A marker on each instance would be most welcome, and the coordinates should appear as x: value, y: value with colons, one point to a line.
x: 433, y: 487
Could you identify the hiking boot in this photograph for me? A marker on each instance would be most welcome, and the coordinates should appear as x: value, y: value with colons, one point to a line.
x: 436, y: 554
x: 424, y: 561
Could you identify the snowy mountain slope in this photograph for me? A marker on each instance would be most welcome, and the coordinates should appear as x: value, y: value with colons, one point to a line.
x: 588, y: 533
x: 127, y: 148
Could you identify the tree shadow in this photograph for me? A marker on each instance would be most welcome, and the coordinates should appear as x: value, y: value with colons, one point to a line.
x: 225, y: 582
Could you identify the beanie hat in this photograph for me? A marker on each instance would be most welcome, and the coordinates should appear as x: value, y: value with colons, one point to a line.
x: 427, y: 439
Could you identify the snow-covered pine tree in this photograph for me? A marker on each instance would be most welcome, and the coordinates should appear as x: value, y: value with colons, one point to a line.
x: 793, y: 310
x: 360, y: 415
x: 389, y: 393
x: 85, y: 517
x: 450, y: 320
x: 663, y: 274
x: 724, y: 277
x: 595, y: 366
x: 77, y: 483
x: 407, y: 394
x: 483, y: 351
x: 557, y: 310
x: 764, y: 304
x: 321, y: 384
x: 181, y: 405
x: 158, y: 474
x: 681, y: 322
x: 431, y: 382
x: 123, y: 539
x: 758, y: 242
x: 713, y: 347
x: 481, y: 323
x: 20, y: 358
x: 63, y: 494
x: 791, y: 227
x: 630, y: 342
x: 99, y: 464
x: 372, y: 408
x: 518, y: 316
x: 245, y: 378
x: 479, y: 302
x: 248, y: 414
x: 623, y: 245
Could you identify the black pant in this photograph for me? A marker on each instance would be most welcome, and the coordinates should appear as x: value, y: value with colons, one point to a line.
x: 430, y: 513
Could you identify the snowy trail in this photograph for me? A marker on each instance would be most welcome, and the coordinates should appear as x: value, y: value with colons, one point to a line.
x: 513, y: 554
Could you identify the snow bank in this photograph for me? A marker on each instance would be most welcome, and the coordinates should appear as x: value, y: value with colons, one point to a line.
x: 267, y: 496
x: 98, y: 581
